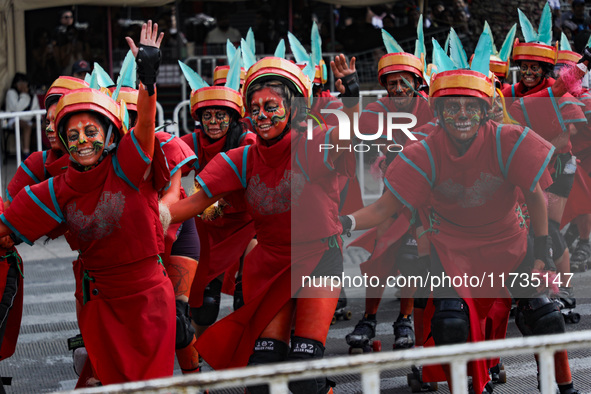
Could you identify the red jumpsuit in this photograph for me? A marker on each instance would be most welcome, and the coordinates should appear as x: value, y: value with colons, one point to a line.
x: 224, y: 239
x: 290, y: 179
x: 128, y: 319
x: 476, y: 229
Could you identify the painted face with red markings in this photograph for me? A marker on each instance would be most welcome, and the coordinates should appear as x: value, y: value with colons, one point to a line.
x: 268, y: 113
x: 85, y: 138
x: 50, y: 130
x: 216, y: 122
x: 531, y: 73
x: 462, y: 116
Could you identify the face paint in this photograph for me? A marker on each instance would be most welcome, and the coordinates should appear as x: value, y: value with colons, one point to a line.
x: 496, y: 112
x: 462, y: 117
x: 216, y: 122
x: 50, y: 128
x: 268, y: 113
x: 531, y: 73
x: 85, y: 138
x: 398, y: 90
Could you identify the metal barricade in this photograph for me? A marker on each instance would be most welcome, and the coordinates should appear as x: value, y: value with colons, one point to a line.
x: 369, y: 366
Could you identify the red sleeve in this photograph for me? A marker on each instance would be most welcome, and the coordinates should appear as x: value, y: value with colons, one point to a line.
x: 34, y: 212
x: 226, y: 172
x: 247, y: 138
x: 178, y: 154
x: 410, y: 177
x: 525, y: 155
x: 369, y: 121
x: 30, y: 172
x: 130, y: 161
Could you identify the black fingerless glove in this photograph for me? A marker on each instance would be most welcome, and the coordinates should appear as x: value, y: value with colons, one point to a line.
x: 148, y: 62
x: 586, y: 55
x: 543, y: 251
x: 347, y: 223
x: 351, y: 95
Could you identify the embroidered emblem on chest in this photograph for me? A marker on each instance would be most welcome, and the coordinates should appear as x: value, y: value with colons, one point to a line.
x: 103, y: 220
x: 273, y: 200
x: 474, y: 196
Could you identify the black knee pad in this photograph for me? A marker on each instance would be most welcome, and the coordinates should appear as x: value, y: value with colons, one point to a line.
x: 308, y: 349
x: 558, y: 241
x: 184, y: 330
x: 538, y: 316
x: 207, y: 313
x: 407, y: 256
x: 450, y: 323
x: 266, y: 351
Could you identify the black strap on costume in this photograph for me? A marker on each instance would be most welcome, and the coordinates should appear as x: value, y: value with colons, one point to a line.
x: 86, y: 287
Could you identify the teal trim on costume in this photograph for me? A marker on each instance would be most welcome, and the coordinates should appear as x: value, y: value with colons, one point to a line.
x: 326, y: 139
x: 558, y: 115
x: 513, y: 90
x: 330, y: 102
x: 54, y: 199
x: 371, y: 112
x: 431, y: 161
x: 519, y: 140
x: 14, y: 230
x: 413, y: 165
x: 196, y: 150
x: 419, y: 133
x: 8, y: 196
x: 499, y: 149
x: 243, y: 135
x: 383, y: 105
x: 182, y: 163
x: 29, y: 172
x: 233, y: 166
x: 204, y: 186
x: 580, y: 120
x: 544, y: 165
x: 398, y: 196
x: 244, y: 161
x: 577, y: 103
x: 167, y: 141
x: 139, y: 148
x: 121, y: 174
x: 42, y: 206
x: 525, y: 112
x: 45, y: 173
x: 297, y: 159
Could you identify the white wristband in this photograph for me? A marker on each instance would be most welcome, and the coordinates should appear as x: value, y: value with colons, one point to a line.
x: 352, y: 222
x: 582, y: 67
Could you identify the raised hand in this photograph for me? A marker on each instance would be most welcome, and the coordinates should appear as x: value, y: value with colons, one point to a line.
x: 148, y: 37
x: 341, y: 70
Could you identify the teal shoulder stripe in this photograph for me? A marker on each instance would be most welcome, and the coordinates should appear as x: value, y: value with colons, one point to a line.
x: 383, y: 105
x: 243, y: 135
x: 432, y: 124
x: 398, y: 196
x: 41, y: 205
x: 330, y: 102
x: 541, y: 171
x: 231, y: 164
x: 558, y: 114
x: 54, y: 199
x: 244, y: 162
x: 8, y: 196
x: 580, y: 120
x: 326, y: 140
x: 45, y: 173
x: 499, y: 149
x: 577, y: 103
x: 196, y: 150
x: 182, y: 163
x: 139, y: 148
x: 297, y: 159
x: 372, y: 112
x: 513, y: 90
x: 14, y: 230
x: 525, y: 114
x: 419, y: 133
x: 413, y: 165
x: 121, y: 174
x: 167, y: 141
x: 29, y: 172
x: 204, y: 186
x: 519, y: 140
x: 431, y: 160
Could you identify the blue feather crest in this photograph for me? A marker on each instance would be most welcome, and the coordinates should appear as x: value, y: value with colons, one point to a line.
x: 545, y: 29
x: 230, y: 51
x: 194, y: 79
x: 420, y: 48
x: 390, y: 43
x: 316, y: 41
x: 456, y: 51
x: 127, y: 75
x: 440, y: 59
x: 233, y: 77
x: 527, y: 29
x: 298, y: 50
x: 280, y: 50
x: 508, y: 44
x: 250, y: 41
x: 481, y: 59
x: 103, y: 79
x: 564, y: 43
x: 248, y: 57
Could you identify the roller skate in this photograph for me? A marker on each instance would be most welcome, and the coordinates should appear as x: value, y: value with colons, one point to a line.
x: 359, y: 340
x: 498, y: 374
x: 488, y: 388
x: 570, y: 236
x: 565, y: 300
x: 415, y: 381
x: 341, y: 312
x: 404, y: 335
x: 581, y: 257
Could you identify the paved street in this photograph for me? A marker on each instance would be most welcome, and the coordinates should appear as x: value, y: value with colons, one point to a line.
x: 42, y: 362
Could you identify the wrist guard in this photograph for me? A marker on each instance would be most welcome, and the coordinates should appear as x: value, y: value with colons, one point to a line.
x: 148, y: 62
x: 543, y: 251
x: 586, y: 55
x: 347, y: 223
x: 351, y: 84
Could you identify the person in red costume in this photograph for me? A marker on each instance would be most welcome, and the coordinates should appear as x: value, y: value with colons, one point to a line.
x: 392, y: 244
x: 11, y: 299
x: 283, y: 175
x: 467, y: 172
x: 128, y: 316
x: 226, y: 229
